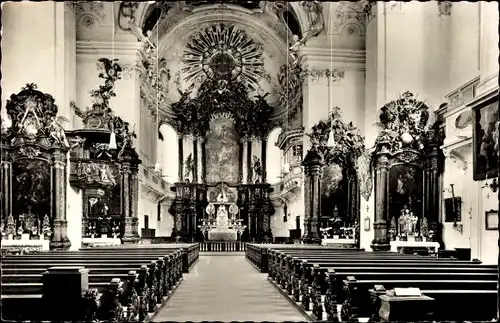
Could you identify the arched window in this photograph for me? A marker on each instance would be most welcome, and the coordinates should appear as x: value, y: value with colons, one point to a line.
x: 153, y: 14
x: 274, y: 160
x: 292, y: 22
x: 170, y: 153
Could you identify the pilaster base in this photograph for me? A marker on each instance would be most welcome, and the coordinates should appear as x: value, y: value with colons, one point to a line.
x: 60, y: 245
x: 311, y: 240
x: 380, y: 246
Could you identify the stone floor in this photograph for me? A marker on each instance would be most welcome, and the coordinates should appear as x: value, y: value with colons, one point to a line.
x: 226, y: 287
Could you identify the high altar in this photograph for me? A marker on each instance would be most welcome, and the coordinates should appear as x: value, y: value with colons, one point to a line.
x: 214, y: 200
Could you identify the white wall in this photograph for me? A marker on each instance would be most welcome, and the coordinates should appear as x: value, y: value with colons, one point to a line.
x: 274, y: 158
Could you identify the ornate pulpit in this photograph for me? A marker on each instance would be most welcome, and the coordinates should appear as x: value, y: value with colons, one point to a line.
x: 34, y: 158
x: 104, y: 165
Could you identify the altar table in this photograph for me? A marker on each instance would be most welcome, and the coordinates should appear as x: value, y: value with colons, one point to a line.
x: 397, y: 245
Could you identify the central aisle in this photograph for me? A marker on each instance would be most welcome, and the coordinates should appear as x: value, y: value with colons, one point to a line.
x: 227, y: 288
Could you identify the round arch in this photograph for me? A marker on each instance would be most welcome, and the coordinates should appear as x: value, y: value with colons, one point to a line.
x: 274, y: 157
x: 191, y: 23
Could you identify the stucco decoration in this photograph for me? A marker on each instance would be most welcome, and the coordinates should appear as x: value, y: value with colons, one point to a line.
x: 221, y: 50
x: 364, y: 171
x: 351, y: 15
x: 127, y: 14
x: 90, y: 14
x: 444, y: 8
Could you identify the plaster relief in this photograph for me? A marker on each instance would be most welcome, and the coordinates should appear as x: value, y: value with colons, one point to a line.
x: 89, y: 14
x: 221, y: 50
x: 351, y: 17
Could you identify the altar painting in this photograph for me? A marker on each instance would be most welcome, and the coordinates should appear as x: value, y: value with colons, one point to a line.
x: 109, y: 204
x: 485, y: 132
x: 31, y: 187
x: 405, y: 190
x: 229, y: 192
x: 333, y: 197
x: 222, y: 152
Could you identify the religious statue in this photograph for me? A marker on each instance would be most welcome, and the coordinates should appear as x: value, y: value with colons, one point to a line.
x: 11, y: 227
x: 294, y: 49
x: 314, y: 12
x: 56, y: 131
x: 106, y: 175
x: 407, y: 222
x: 222, y: 198
x: 188, y: 168
x: 257, y: 170
x: 222, y: 219
x: 28, y: 221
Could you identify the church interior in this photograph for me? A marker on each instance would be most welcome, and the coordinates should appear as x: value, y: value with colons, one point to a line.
x: 300, y: 161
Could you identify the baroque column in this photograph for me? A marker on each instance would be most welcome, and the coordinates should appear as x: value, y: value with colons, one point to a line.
x: 433, y: 193
x: 195, y: 159
x: 313, y: 172
x: 180, y: 139
x: 130, y: 189
x: 381, y: 240
x: 203, y: 162
x: 240, y: 162
x: 264, y: 159
x: 60, y: 239
x: 6, y: 189
x: 249, y: 162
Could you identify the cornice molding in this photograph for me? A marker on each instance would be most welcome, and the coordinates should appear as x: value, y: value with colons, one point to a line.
x: 106, y: 48
x: 482, y: 97
x: 287, y: 135
x: 454, y: 145
x: 314, y: 57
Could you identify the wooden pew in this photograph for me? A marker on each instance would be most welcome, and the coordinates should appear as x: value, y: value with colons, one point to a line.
x: 359, y: 301
x: 308, y: 276
x: 153, y: 278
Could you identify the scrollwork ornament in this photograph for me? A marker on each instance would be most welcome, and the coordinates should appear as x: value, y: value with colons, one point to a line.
x: 364, y: 172
x: 407, y: 156
x: 30, y: 152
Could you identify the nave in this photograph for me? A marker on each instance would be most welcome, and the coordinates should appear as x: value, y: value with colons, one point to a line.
x: 226, y: 287
x: 344, y: 133
x: 177, y: 283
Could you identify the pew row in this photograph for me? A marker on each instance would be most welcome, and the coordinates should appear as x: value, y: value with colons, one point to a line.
x: 124, y: 284
x: 323, y: 280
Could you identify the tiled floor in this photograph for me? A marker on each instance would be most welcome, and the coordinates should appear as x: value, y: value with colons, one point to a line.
x: 227, y: 288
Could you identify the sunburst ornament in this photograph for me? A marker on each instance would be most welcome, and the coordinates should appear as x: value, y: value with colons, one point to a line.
x: 223, y: 51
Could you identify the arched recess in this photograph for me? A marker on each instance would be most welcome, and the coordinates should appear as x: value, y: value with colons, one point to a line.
x: 274, y: 160
x: 169, y: 152
x: 300, y: 15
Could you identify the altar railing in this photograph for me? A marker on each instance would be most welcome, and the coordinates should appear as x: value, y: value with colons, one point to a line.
x: 222, y: 246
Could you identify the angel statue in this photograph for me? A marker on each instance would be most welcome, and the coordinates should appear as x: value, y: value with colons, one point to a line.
x: 294, y: 49
x: 314, y: 12
x: 257, y: 170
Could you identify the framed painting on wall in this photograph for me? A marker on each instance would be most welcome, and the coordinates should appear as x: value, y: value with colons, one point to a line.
x: 491, y: 218
x: 485, y: 126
